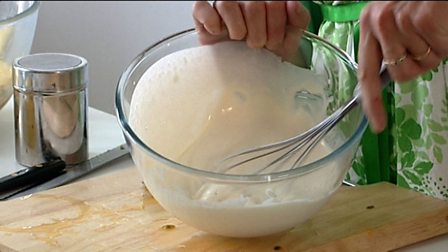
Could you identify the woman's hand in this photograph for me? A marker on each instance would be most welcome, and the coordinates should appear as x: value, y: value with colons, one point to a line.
x: 275, y: 25
x: 410, y: 37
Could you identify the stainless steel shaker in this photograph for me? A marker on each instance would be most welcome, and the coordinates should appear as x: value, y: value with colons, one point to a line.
x: 50, y: 108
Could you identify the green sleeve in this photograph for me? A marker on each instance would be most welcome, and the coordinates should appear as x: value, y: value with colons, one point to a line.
x: 316, y: 15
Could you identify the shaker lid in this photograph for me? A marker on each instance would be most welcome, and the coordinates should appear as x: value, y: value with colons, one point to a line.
x: 50, y: 72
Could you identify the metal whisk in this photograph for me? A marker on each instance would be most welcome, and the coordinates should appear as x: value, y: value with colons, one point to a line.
x: 297, y: 147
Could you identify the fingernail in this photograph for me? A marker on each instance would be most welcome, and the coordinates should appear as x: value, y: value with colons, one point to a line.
x: 382, y: 124
x: 377, y: 126
x: 211, y: 30
x: 376, y: 114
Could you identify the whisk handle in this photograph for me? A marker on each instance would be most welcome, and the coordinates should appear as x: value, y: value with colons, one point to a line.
x: 385, y: 79
x: 356, y: 100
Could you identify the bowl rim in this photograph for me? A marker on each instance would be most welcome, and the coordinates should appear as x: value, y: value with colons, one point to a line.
x: 30, y: 10
x: 129, y: 133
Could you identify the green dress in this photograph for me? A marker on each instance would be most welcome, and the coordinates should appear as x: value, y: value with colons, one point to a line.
x: 413, y: 151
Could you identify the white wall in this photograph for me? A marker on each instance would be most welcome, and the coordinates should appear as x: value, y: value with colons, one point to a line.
x: 108, y: 34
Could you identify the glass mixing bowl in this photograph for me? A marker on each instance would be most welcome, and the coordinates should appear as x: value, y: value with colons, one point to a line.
x: 247, y: 205
x: 17, y: 25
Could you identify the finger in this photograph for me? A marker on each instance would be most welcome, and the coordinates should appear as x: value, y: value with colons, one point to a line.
x: 233, y: 19
x: 387, y: 34
x: 419, y: 50
x: 297, y: 21
x: 431, y: 25
x: 298, y: 16
x: 255, y: 16
x: 276, y: 24
x: 370, y: 58
x: 205, y: 15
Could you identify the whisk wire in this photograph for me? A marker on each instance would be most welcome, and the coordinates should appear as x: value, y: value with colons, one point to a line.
x: 307, y: 140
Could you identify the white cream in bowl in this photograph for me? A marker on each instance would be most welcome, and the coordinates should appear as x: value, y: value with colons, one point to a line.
x: 199, y: 105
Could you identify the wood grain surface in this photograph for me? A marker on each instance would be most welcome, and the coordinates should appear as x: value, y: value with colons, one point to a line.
x: 116, y: 213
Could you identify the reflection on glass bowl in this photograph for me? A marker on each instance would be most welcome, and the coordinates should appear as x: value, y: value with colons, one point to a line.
x: 17, y: 26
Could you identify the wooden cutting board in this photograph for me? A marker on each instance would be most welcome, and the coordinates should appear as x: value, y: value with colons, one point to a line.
x: 116, y: 212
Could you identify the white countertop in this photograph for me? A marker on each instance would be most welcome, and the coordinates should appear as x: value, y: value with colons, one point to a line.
x: 105, y: 133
